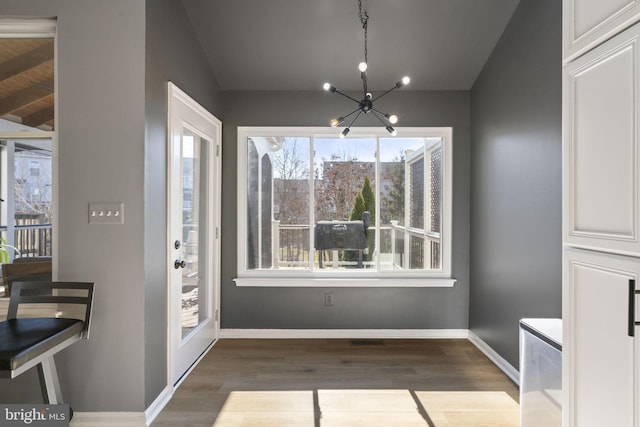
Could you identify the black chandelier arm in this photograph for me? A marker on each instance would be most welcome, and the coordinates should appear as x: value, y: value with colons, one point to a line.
x: 381, y: 114
x: 377, y: 114
x: 385, y: 93
x: 357, y: 109
x: 354, y: 119
x: 346, y: 96
x: 337, y: 122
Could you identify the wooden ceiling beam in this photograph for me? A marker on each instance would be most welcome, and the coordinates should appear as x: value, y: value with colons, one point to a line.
x: 24, y: 62
x: 26, y: 96
x: 39, y: 117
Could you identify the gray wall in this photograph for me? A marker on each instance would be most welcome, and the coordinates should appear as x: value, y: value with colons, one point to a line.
x: 172, y: 54
x: 357, y: 308
x: 112, y: 120
x: 516, y: 179
x: 100, y: 95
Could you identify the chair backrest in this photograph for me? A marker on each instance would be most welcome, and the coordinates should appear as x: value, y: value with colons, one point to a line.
x: 53, y: 299
x: 26, y: 272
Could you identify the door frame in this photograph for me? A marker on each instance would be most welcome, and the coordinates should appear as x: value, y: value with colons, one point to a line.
x: 175, y: 94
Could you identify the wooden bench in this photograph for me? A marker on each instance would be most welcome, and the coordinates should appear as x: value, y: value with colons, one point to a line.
x: 54, y: 322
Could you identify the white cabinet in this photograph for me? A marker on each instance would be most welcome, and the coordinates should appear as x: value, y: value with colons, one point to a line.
x: 600, y: 150
x: 601, y: 221
x: 587, y: 23
x: 597, y: 346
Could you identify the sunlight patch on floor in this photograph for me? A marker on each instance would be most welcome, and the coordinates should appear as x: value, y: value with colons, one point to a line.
x: 388, y: 408
x: 470, y: 408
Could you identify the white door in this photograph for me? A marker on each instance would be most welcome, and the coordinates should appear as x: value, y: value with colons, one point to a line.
x: 599, y: 349
x: 193, y: 216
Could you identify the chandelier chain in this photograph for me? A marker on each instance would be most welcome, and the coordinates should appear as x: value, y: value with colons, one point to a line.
x: 364, y: 19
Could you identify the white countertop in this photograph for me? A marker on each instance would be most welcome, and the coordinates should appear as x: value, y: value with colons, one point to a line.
x: 550, y: 328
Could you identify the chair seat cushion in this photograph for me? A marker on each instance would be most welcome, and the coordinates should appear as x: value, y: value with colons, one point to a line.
x: 21, y: 340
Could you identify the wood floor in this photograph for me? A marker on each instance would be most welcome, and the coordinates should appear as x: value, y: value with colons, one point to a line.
x: 343, y: 383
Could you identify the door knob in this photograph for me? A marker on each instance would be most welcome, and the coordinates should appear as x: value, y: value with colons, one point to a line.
x: 179, y: 264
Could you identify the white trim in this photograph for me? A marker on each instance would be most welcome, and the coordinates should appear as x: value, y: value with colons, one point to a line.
x: 344, y: 282
x: 27, y: 28
x: 108, y: 419
x: 29, y: 134
x: 343, y: 333
x: 158, y: 404
x: 445, y: 133
x: 167, y: 393
x: 498, y: 360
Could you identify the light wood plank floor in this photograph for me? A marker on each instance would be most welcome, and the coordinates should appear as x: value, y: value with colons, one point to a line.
x: 343, y: 383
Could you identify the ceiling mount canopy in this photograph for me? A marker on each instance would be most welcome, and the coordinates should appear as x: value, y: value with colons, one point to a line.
x: 365, y: 105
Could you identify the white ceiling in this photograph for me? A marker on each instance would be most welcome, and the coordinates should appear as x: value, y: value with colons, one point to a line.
x: 300, y: 44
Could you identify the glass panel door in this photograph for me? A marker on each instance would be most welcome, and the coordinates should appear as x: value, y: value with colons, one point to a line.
x: 194, y: 274
x: 193, y: 215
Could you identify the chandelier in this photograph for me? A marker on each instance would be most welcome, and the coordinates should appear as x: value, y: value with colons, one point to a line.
x: 365, y: 105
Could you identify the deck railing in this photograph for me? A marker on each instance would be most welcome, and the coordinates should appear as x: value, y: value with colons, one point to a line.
x: 33, y: 240
x: 400, y: 247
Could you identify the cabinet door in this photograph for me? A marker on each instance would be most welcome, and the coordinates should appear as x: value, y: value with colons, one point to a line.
x: 599, y: 359
x: 590, y: 22
x: 600, y: 172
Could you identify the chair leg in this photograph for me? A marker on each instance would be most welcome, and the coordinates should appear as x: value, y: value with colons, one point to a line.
x: 49, y: 382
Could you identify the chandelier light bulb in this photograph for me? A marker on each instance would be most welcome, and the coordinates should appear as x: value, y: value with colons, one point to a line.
x: 406, y: 80
x: 329, y: 87
x: 362, y: 67
x: 393, y: 119
x: 336, y: 122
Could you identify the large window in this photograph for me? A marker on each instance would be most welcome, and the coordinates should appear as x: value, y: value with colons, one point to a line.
x: 369, y: 209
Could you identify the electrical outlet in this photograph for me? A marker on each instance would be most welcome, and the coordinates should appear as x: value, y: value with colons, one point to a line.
x: 329, y: 299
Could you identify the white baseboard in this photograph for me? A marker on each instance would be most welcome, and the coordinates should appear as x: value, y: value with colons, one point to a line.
x: 343, y: 333
x: 108, y: 419
x: 498, y: 360
x: 158, y: 404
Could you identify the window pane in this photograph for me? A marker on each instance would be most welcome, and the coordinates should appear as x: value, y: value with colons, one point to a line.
x: 25, y: 193
x: 410, y: 203
x: 327, y: 204
x: 278, y: 203
x: 345, y: 188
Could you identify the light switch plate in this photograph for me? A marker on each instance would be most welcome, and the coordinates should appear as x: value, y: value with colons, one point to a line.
x: 106, y: 213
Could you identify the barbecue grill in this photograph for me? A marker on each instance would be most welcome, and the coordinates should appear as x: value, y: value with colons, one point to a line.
x: 342, y: 235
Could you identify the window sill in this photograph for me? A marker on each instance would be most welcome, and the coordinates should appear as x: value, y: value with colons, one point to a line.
x: 334, y: 282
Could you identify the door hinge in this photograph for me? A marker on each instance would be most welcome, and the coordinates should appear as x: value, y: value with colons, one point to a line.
x: 217, y: 150
x: 217, y: 233
x: 217, y: 315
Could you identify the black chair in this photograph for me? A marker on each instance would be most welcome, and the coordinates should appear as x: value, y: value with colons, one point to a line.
x: 43, y: 319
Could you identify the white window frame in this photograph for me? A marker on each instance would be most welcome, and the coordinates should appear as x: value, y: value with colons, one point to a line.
x: 299, y: 278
